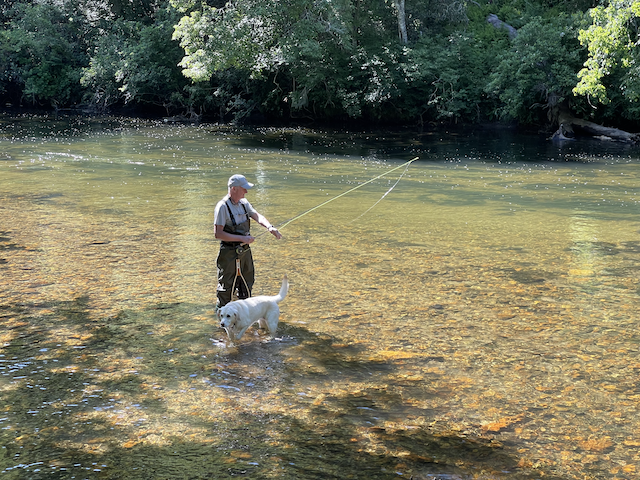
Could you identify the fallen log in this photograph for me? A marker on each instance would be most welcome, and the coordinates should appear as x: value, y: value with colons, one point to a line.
x: 571, y: 127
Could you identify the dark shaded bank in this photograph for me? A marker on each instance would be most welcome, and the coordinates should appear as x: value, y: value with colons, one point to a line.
x: 140, y: 113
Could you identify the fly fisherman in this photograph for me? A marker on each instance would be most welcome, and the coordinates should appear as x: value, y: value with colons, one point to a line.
x: 232, y: 219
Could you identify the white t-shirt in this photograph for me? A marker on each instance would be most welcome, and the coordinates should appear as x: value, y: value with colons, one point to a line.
x: 221, y: 214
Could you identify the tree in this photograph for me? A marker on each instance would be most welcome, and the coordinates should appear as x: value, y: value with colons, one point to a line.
x: 258, y: 35
x: 448, y: 75
x: 318, y: 57
x: 136, y: 62
x: 43, y: 47
x: 537, y: 74
x: 134, y: 9
x: 402, y: 20
x: 612, y: 42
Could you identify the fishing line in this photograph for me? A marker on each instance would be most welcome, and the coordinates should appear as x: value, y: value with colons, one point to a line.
x: 406, y: 165
x: 386, y: 193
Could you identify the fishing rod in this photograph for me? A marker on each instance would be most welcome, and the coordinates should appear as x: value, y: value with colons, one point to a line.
x: 406, y: 165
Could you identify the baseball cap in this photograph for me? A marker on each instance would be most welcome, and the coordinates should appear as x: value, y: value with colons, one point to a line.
x: 239, y: 181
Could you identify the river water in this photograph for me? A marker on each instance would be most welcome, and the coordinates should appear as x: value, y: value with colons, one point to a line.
x: 473, y: 316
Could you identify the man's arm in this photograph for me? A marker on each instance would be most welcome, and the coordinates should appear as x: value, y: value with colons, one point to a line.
x: 266, y: 224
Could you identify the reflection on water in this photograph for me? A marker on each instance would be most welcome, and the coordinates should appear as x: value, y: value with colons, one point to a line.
x: 479, y: 322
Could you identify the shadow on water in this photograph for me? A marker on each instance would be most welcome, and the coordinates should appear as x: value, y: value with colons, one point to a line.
x: 148, y: 394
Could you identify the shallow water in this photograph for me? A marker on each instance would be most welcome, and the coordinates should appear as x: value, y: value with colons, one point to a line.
x: 479, y: 322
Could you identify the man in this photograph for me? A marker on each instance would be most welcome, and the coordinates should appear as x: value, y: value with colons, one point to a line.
x: 232, y: 219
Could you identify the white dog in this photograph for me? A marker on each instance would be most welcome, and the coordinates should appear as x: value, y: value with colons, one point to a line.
x: 235, y: 317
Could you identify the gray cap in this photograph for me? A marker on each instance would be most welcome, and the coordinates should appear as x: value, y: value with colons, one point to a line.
x: 239, y: 181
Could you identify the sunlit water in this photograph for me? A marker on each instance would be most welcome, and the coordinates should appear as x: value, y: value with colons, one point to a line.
x: 479, y: 322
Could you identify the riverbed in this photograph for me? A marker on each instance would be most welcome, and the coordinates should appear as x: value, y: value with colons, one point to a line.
x: 471, y: 315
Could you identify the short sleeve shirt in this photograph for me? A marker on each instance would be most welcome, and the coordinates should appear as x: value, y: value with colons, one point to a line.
x: 221, y: 215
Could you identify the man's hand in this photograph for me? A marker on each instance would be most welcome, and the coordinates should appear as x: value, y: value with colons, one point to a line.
x: 274, y: 231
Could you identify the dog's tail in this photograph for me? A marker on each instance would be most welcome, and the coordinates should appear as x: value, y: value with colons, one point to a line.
x: 283, y: 290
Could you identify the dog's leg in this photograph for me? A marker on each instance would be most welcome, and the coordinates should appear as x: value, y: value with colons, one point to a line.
x: 231, y: 335
x: 241, y: 332
x: 271, y: 320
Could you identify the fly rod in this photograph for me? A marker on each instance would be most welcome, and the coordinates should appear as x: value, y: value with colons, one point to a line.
x: 406, y: 165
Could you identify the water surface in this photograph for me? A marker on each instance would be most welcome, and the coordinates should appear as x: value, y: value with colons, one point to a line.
x: 479, y: 322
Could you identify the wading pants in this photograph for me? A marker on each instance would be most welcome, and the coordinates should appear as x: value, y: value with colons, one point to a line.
x: 227, y: 273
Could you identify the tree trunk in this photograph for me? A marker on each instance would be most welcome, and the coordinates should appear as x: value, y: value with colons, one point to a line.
x: 402, y: 21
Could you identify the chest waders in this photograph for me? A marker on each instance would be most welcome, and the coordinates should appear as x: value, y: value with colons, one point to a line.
x: 235, y: 263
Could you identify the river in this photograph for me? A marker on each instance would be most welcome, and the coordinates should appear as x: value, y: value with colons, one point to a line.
x: 471, y: 316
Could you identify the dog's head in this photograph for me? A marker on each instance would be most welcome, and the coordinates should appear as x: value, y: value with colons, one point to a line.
x: 228, y: 316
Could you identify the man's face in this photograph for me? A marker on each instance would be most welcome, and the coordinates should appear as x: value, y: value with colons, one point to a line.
x: 237, y: 193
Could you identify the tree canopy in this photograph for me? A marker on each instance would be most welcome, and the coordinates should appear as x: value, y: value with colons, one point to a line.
x: 391, y: 61
x: 612, y: 41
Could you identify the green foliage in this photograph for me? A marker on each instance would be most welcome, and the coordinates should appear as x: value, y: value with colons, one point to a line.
x: 323, y: 59
x: 539, y: 71
x: 335, y: 57
x: 42, y: 53
x: 426, y: 17
x: 448, y: 74
x: 134, y: 62
x: 259, y: 35
x: 612, y: 41
x: 134, y: 10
